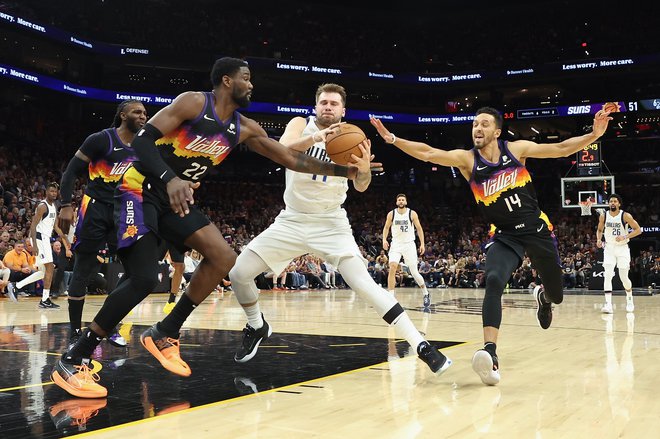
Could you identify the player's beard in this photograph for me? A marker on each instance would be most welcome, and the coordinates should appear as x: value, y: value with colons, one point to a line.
x: 612, y: 208
x: 133, y: 126
x: 326, y: 120
x: 241, y: 101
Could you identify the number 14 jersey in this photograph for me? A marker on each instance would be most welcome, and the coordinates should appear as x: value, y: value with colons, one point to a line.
x: 505, y: 194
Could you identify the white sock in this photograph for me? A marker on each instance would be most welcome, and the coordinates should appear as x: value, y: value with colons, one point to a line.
x: 254, y: 315
x: 629, y: 296
x: 405, y: 329
x: 45, y: 295
x: 426, y: 292
x: 608, y: 298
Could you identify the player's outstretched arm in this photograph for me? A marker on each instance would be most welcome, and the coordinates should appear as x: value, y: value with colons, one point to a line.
x: 258, y: 141
x: 526, y: 149
x: 422, y: 151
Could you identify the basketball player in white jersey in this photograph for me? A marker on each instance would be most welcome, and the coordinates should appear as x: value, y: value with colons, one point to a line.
x: 41, y: 230
x: 313, y: 221
x: 614, y: 226
x: 403, y: 222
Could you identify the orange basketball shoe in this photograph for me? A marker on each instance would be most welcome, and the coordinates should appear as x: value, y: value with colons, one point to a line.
x: 166, y: 350
x: 78, y: 379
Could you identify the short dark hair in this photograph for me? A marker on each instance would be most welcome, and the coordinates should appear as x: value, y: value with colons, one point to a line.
x: 332, y: 88
x: 225, y: 66
x: 617, y: 196
x: 53, y: 184
x: 402, y: 195
x: 493, y: 112
x: 116, y: 121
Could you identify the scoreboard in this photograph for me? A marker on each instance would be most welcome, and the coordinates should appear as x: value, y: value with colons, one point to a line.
x: 588, y: 160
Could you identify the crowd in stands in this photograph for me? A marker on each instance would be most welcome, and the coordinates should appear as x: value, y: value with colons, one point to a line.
x: 455, y: 233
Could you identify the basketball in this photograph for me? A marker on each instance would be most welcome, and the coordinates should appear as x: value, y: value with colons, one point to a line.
x: 612, y: 107
x: 340, y: 145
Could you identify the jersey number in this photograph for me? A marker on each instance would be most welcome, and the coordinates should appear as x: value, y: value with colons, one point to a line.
x: 404, y: 229
x: 511, y: 201
x: 616, y: 232
x: 195, y: 171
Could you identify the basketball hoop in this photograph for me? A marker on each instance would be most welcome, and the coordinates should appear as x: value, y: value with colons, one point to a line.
x: 585, y: 207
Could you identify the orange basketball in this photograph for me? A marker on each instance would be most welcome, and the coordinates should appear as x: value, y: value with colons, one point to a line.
x: 612, y: 107
x: 344, y: 142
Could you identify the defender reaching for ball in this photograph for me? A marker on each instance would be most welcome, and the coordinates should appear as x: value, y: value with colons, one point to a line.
x: 179, y: 146
x: 314, y: 222
x: 502, y: 187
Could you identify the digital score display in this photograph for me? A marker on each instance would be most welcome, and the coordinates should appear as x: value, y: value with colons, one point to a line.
x: 588, y: 160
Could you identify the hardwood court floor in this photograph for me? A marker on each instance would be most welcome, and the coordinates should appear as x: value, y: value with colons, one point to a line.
x: 334, y: 369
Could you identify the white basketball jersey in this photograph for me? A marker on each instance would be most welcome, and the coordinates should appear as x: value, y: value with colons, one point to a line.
x: 311, y: 193
x: 614, y: 227
x: 403, y: 230
x: 45, y: 226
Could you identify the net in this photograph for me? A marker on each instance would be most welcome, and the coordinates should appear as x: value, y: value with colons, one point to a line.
x: 585, y: 207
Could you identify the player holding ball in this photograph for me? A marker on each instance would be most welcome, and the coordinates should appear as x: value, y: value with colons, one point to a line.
x: 314, y: 222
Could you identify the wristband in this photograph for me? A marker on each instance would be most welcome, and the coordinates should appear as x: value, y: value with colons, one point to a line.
x: 393, y: 138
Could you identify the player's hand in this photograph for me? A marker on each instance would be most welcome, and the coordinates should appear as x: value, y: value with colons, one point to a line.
x: 363, y: 163
x: 620, y: 238
x: 324, y: 133
x: 386, y: 245
x: 181, y: 193
x: 601, y: 120
x: 599, y: 244
x: 421, y: 250
x: 65, y: 218
x: 382, y: 131
x: 68, y: 253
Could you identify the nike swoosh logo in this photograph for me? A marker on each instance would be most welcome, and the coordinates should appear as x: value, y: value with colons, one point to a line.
x: 481, y: 168
x: 540, y: 228
x: 117, y: 149
x: 209, y: 118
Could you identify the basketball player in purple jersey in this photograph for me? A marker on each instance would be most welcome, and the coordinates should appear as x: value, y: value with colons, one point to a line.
x: 502, y: 188
x: 105, y: 155
x: 154, y: 201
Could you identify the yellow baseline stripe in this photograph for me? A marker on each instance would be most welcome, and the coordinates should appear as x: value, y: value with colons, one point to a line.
x: 26, y: 386
x: 272, y: 346
x: 30, y: 352
x: 286, y: 352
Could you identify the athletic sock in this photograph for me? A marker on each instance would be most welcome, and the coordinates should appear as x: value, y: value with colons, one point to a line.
x: 45, y: 295
x: 405, y: 329
x: 75, y: 313
x: 608, y: 298
x: 254, y: 315
x: 490, y: 347
x: 84, y: 347
x: 171, y: 324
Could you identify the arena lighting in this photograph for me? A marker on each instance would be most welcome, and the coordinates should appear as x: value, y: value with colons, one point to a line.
x: 40, y: 80
x: 535, y: 130
x: 511, y: 132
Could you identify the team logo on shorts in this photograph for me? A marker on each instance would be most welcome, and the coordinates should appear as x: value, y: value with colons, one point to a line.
x: 130, y: 232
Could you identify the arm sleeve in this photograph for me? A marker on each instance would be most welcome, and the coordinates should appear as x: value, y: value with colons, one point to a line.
x: 75, y: 169
x: 150, y: 159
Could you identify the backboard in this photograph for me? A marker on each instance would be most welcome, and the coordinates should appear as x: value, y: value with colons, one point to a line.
x: 577, y: 189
